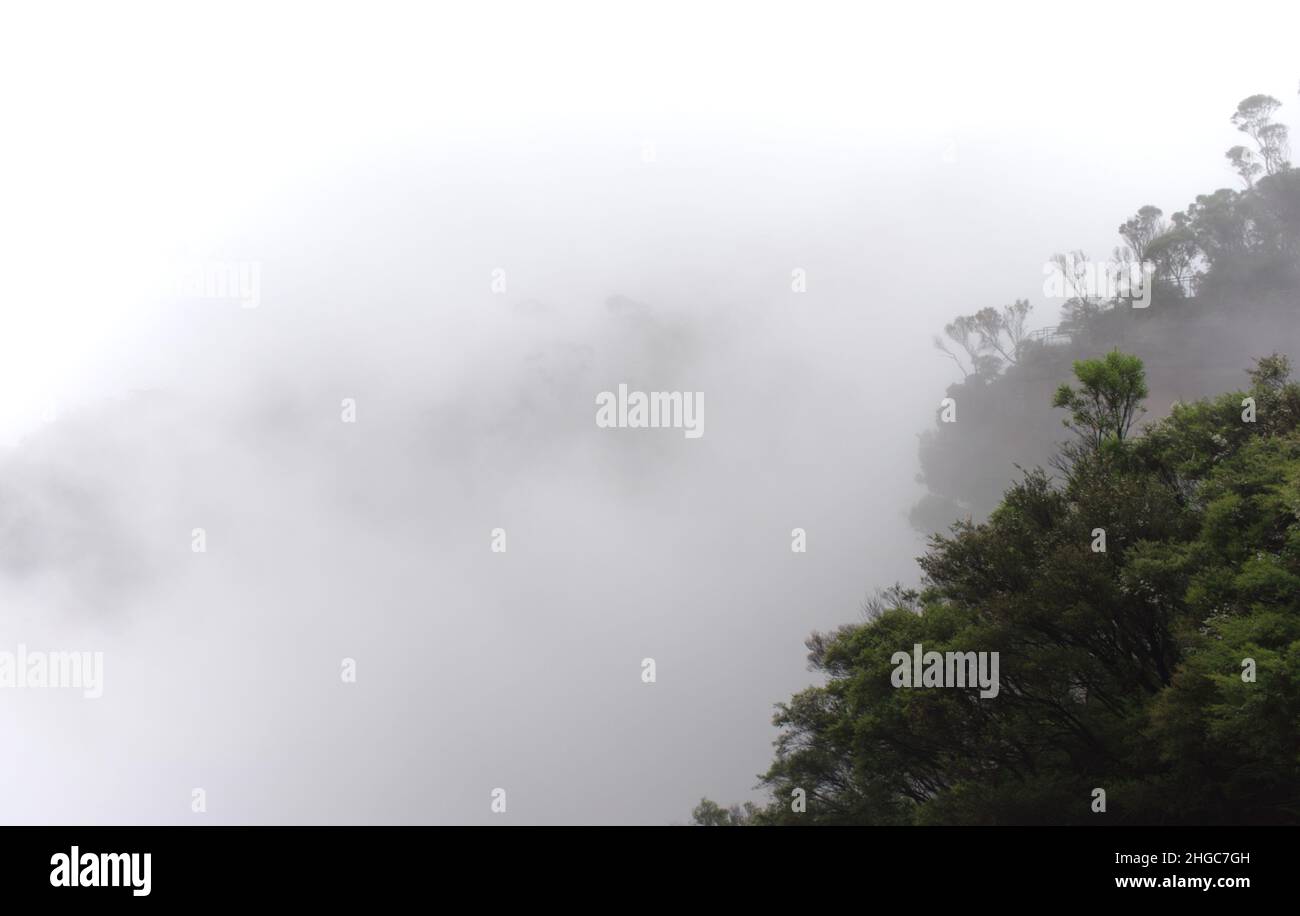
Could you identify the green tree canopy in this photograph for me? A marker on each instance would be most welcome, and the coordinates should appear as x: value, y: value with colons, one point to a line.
x: 1163, y: 668
x: 1109, y: 397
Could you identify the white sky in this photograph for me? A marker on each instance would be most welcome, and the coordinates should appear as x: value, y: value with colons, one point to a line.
x: 137, y: 131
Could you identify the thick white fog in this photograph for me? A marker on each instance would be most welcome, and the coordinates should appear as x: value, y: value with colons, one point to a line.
x: 641, y: 184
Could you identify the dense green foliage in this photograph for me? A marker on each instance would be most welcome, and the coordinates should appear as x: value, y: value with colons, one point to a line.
x: 1121, y: 669
x: 1159, y: 662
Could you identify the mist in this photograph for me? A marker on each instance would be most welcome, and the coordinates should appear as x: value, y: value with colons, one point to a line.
x: 458, y: 245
